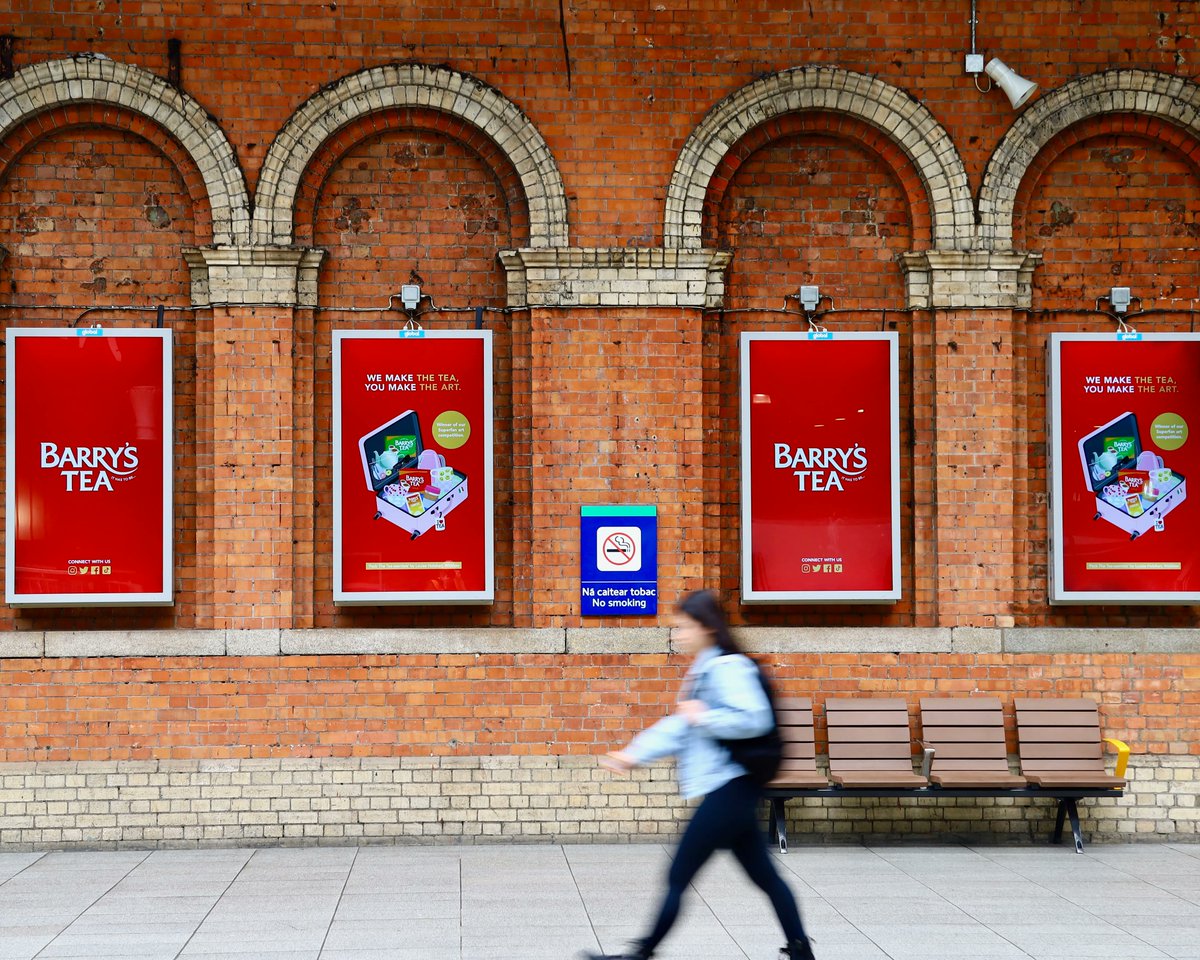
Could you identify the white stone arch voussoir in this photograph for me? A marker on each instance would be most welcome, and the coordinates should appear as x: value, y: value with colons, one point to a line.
x: 1161, y: 95
x: 395, y: 86
x: 88, y: 79
x: 903, y: 119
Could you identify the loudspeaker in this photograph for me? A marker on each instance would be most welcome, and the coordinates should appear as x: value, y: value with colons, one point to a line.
x: 1016, y: 87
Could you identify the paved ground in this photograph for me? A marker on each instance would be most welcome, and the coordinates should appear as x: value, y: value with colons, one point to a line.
x: 531, y: 902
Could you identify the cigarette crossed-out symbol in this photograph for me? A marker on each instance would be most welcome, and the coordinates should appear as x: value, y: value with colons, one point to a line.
x: 619, y: 548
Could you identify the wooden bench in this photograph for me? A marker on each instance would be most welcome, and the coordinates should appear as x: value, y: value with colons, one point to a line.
x: 1060, y: 747
x: 965, y: 754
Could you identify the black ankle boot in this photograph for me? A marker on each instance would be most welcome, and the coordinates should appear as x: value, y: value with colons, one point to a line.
x: 797, y: 950
x: 634, y: 951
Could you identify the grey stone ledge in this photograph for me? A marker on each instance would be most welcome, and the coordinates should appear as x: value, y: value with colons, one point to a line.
x: 976, y: 640
x: 253, y: 643
x: 22, y: 644
x: 135, y: 643
x: 1101, y: 640
x: 845, y: 639
x: 36, y: 644
x: 618, y: 640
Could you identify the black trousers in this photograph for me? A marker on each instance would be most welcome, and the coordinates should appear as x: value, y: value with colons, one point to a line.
x: 726, y: 820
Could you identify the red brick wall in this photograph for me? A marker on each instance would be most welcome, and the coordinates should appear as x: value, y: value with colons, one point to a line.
x: 190, y: 708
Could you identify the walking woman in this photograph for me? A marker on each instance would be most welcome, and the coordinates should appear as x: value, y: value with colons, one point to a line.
x: 722, y: 699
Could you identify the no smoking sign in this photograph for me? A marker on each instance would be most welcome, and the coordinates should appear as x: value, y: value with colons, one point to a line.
x: 619, y: 548
x: 618, y: 561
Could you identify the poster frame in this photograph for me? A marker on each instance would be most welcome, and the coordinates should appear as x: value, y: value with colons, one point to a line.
x: 342, y: 597
x: 888, y: 594
x: 163, y: 597
x: 1056, y: 474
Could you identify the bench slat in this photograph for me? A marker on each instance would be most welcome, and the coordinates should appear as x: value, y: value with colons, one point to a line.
x: 858, y: 718
x: 964, y: 718
x: 955, y: 751
x: 980, y: 779
x: 1038, y: 764
x: 1058, y: 735
x: 1078, y: 751
x: 904, y: 765
x: 1074, y: 779
x: 868, y: 735
x: 879, y: 778
x: 1048, y: 718
x: 881, y: 751
x: 972, y: 763
x: 938, y: 734
x: 799, y: 750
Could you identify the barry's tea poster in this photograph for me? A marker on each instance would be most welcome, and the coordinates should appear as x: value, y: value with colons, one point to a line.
x: 820, y: 467
x: 1123, y: 529
x: 412, y: 467
x: 89, y: 451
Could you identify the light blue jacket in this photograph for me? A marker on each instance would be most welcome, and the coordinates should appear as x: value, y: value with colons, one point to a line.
x: 737, y: 708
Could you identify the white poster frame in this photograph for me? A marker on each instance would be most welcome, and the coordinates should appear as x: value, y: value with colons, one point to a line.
x: 164, y: 597
x: 342, y: 597
x: 752, y: 596
x: 1055, y: 476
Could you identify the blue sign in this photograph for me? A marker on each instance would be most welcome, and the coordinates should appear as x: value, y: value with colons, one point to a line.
x: 618, y: 561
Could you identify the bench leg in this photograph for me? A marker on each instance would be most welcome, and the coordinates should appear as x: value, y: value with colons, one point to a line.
x: 1073, y: 813
x: 1067, y: 808
x: 779, y: 823
x: 1058, y: 823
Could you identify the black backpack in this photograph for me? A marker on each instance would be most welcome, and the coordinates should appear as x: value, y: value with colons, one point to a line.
x: 760, y: 756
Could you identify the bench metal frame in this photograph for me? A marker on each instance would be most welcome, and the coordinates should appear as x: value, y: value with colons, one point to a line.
x: 777, y: 796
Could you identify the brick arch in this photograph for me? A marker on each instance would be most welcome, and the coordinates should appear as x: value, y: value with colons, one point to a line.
x: 60, y: 119
x: 819, y: 123
x: 1141, y: 95
x: 60, y: 88
x: 381, y: 89
x: 375, y: 124
x: 883, y: 107
x: 1137, y: 126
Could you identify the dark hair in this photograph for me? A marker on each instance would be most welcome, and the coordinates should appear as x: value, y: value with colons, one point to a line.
x: 704, y: 607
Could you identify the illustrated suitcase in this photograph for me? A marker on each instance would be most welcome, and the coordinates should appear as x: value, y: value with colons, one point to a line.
x: 387, y: 453
x: 1103, y: 460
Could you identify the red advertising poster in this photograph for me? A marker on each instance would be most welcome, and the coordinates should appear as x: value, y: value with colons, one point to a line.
x: 412, y: 466
x: 89, y: 467
x: 820, y: 467
x: 1122, y: 527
